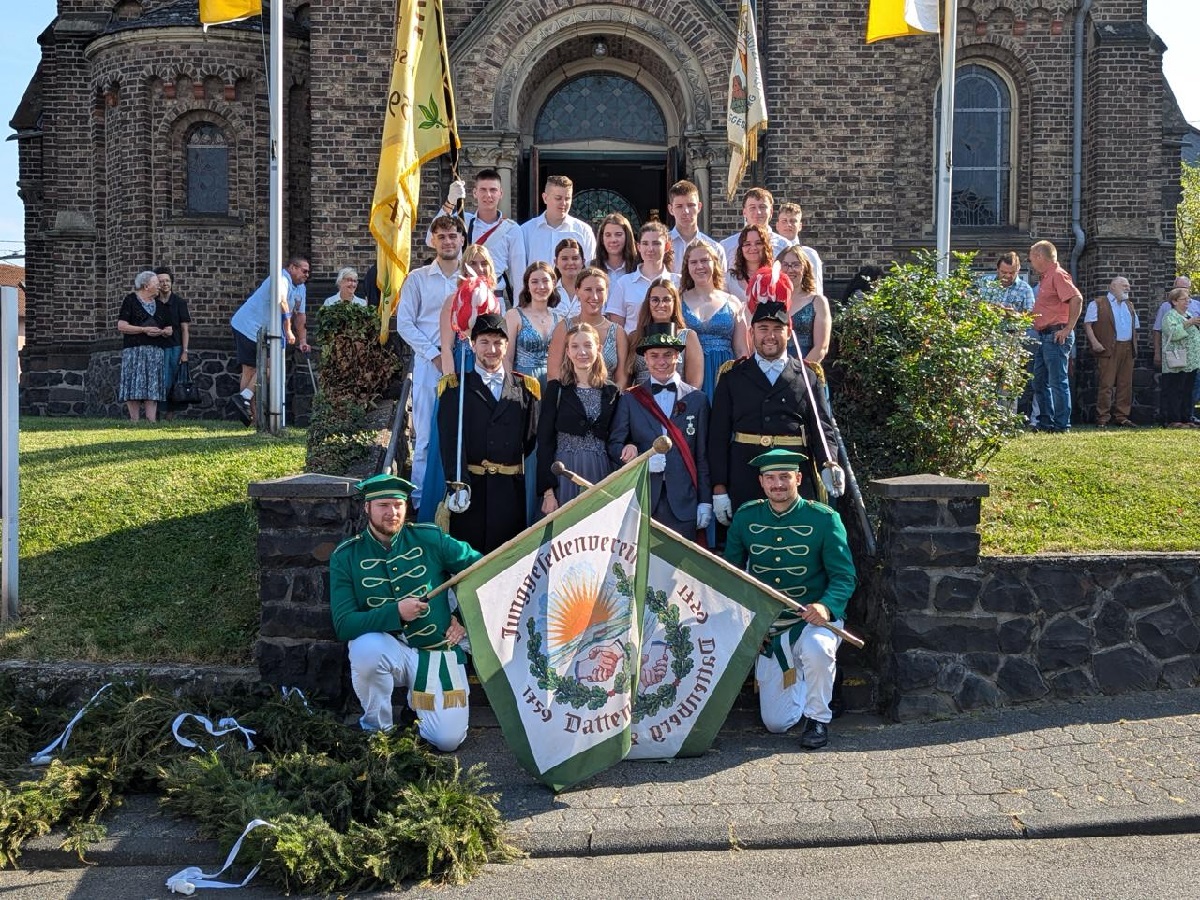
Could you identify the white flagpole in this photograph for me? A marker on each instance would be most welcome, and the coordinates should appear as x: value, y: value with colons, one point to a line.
x: 10, y: 608
x: 945, y: 164
x: 275, y: 351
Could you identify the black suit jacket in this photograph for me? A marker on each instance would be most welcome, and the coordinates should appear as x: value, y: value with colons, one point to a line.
x: 500, y: 431
x: 562, y: 413
x: 745, y: 401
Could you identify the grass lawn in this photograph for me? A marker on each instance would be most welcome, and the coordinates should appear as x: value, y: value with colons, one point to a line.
x: 1094, y: 491
x: 138, y: 541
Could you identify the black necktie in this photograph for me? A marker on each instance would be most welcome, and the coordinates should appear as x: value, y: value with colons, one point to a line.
x: 659, y: 388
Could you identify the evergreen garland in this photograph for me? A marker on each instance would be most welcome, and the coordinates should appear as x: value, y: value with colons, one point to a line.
x: 351, y: 810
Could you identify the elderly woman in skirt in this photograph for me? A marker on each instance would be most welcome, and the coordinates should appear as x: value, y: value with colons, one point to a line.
x: 145, y: 326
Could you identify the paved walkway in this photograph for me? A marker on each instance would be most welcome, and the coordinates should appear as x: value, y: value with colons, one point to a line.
x: 1124, y: 765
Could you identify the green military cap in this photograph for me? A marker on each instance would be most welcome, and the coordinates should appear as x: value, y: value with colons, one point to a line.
x: 385, y: 487
x: 778, y: 460
x: 660, y: 334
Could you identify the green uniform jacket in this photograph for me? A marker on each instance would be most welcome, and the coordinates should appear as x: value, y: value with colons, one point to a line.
x: 802, y: 553
x: 368, y: 580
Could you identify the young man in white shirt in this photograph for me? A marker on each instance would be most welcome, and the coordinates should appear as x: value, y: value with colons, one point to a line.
x: 418, y: 316
x: 788, y: 225
x: 684, y: 204
x: 757, y: 208
x: 543, y: 233
x: 489, y: 227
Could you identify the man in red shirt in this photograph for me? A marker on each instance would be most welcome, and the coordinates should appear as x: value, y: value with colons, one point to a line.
x: 1055, y: 311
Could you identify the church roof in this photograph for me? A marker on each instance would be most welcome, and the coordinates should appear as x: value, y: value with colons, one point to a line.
x: 185, y: 13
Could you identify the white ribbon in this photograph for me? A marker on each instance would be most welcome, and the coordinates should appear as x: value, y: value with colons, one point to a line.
x: 289, y: 692
x: 222, y: 728
x: 187, y: 880
x: 43, y: 757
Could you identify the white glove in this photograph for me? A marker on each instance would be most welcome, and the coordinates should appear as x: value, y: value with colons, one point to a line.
x: 459, y: 501
x: 704, y: 513
x: 834, y: 480
x: 458, y: 191
x: 658, y: 462
x: 722, y: 508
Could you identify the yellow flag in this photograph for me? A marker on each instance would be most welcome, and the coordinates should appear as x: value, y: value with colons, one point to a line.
x: 217, y: 12
x: 746, y: 115
x: 897, y: 18
x: 419, y: 125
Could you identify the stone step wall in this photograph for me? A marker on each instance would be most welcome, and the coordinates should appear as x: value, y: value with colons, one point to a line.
x: 948, y: 631
x: 960, y: 632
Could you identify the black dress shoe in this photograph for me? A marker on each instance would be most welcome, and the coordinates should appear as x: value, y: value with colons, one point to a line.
x: 815, y: 735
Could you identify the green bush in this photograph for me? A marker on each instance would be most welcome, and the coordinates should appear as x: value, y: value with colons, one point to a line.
x: 355, y: 370
x: 927, y: 374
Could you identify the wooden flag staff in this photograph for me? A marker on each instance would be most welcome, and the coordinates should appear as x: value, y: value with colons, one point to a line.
x: 559, y: 469
x: 661, y: 444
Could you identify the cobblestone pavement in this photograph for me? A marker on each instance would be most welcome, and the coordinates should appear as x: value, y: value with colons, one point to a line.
x: 1115, y: 766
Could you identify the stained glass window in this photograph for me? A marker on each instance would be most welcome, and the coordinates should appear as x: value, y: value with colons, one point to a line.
x: 594, y: 204
x: 982, y: 138
x: 601, y: 107
x: 207, y: 171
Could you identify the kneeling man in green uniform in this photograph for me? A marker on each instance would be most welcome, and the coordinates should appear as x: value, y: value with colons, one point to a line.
x: 799, y: 548
x: 379, y: 583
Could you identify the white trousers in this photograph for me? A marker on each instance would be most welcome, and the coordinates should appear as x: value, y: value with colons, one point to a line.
x: 814, y: 655
x: 424, y: 398
x: 378, y: 665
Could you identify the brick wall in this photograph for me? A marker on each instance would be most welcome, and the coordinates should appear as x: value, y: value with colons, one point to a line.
x: 851, y: 136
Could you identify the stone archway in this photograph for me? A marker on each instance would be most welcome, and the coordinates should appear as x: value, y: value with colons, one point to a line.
x: 531, y: 54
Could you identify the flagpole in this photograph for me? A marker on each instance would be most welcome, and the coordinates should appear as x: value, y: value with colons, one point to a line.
x: 846, y: 636
x: 945, y: 163
x: 662, y: 444
x: 275, y: 350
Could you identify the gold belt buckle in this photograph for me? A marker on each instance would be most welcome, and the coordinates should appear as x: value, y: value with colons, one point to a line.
x: 766, y: 440
x: 490, y: 469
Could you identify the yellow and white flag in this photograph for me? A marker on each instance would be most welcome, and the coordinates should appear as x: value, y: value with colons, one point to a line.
x: 419, y: 125
x: 218, y: 12
x: 747, y: 114
x: 897, y: 18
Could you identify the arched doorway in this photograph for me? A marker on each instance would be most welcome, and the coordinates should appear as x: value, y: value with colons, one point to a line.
x: 608, y: 134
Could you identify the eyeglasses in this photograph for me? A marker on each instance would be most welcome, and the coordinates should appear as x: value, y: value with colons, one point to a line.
x: 792, y: 265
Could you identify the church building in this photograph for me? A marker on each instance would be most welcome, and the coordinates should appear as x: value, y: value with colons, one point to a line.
x: 144, y: 142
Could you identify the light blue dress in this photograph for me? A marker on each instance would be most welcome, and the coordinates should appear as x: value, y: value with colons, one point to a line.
x: 530, y: 358
x: 716, y: 340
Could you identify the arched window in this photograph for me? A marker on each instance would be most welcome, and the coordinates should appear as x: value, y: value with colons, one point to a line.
x: 207, y: 171
x: 981, y: 190
x: 601, y: 107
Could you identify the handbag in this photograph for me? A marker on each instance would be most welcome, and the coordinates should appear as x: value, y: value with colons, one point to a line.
x: 184, y: 390
x: 1175, y: 357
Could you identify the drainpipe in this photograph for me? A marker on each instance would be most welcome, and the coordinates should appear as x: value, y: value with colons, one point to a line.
x: 1077, y: 144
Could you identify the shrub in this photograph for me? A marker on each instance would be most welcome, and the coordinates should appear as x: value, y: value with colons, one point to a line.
x: 928, y: 373
x: 355, y: 370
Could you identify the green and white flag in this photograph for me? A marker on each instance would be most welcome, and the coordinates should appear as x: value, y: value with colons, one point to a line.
x: 555, y: 620
x: 703, y: 625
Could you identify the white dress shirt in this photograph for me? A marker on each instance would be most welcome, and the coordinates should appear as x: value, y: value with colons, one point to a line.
x: 541, y: 238
x: 419, y: 312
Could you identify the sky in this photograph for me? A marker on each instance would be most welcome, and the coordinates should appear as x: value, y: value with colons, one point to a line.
x: 1176, y: 21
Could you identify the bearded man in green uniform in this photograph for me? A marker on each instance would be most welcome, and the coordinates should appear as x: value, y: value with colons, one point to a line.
x: 379, y: 583
x: 798, y: 547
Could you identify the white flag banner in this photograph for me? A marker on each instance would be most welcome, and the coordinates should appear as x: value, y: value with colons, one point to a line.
x: 747, y: 109
x: 555, y: 625
x: 703, y: 625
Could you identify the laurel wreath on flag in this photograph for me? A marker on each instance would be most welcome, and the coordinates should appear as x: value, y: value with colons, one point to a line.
x: 679, y: 643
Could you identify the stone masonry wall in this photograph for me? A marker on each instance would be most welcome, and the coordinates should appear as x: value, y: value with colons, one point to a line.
x: 301, y: 520
x: 964, y: 632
